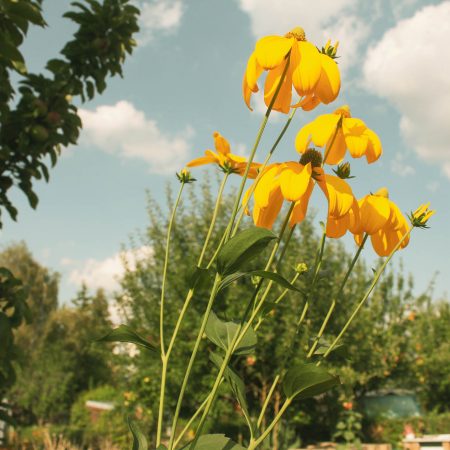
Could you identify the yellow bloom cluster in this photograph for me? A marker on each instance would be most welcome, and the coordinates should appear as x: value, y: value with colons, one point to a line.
x: 314, y: 74
x: 293, y: 62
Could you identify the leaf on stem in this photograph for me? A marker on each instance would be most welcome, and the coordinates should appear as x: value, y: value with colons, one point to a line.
x: 242, y: 248
x: 139, y: 439
x: 307, y: 380
x: 276, y: 277
x: 124, y: 333
x: 222, y: 333
x: 214, y: 442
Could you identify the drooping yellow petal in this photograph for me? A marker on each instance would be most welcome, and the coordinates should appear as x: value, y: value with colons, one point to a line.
x: 335, y: 149
x: 374, y: 148
x: 246, y: 93
x: 284, y: 97
x: 355, y: 137
x: 221, y: 144
x: 307, y: 103
x: 306, y: 67
x: 271, y: 50
x: 265, y: 217
x: 329, y: 83
x: 374, y: 212
x: 301, y: 206
x: 294, y: 180
x: 303, y: 138
x: 209, y: 158
x: 339, y: 194
x: 253, y: 72
x: 323, y: 128
x: 337, y: 227
x: 268, y: 183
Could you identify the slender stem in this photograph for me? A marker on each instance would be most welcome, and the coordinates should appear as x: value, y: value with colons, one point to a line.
x: 333, y: 303
x: 161, y: 319
x: 242, y: 329
x: 267, y: 401
x: 366, y: 295
x: 263, y: 166
x: 194, y: 355
x: 213, y: 220
x: 256, y: 144
x: 255, y: 443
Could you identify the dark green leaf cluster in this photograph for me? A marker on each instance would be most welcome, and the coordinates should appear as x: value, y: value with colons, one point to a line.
x: 40, y: 118
x: 13, y: 312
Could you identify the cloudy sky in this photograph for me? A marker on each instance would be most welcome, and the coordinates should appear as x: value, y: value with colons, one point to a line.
x: 184, y: 82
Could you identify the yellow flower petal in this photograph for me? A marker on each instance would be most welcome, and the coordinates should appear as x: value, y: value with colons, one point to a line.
x: 294, y: 180
x: 253, y: 72
x: 265, y: 217
x: 306, y: 67
x: 374, y: 148
x: 209, y: 158
x: 284, y: 97
x: 323, y: 128
x: 301, y: 206
x: 221, y: 144
x: 303, y: 138
x: 267, y: 183
x: 339, y: 194
x: 271, y: 50
x: 374, y: 212
x: 355, y: 137
x: 335, y: 151
x: 329, y: 83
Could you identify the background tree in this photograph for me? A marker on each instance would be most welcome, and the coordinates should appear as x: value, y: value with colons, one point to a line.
x: 376, y: 344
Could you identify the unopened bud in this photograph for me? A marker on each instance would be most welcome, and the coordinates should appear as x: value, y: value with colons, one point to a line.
x: 343, y: 171
x: 420, y: 216
x: 184, y: 176
x: 301, y: 268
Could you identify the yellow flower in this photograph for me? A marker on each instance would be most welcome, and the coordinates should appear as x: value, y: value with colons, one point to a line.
x: 314, y: 75
x: 338, y: 132
x: 382, y: 219
x: 420, y: 216
x: 226, y: 160
x: 294, y: 182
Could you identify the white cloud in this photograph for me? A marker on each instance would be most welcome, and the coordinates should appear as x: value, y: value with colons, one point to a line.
x: 159, y: 16
x: 123, y: 130
x: 400, y: 166
x: 410, y: 69
x: 106, y: 273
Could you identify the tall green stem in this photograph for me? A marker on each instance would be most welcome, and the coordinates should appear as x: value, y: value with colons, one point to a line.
x: 187, y: 374
x: 267, y: 401
x: 333, y: 303
x: 242, y: 329
x: 366, y: 295
x: 161, y: 318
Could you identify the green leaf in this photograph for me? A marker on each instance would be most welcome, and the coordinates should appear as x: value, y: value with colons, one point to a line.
x: 307, y: 380
x: 26, y: 10
x: 124, y: 333
x: 214, y: 442
x: 241, y: 248
x: 222, y: 334
x: 139, y: 439
x: 9, y: 51
x: 237, y: 386
x: 198, y: 277
x: 276, y: 277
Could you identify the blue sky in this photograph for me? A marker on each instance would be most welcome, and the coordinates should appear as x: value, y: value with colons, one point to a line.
x: 184, y: 82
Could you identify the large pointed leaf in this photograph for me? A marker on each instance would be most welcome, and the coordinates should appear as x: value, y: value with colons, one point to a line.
x: 222, y: 333
x: 276, y: 277
x: 124, y: 333
x: 214, y: 442
x: 307, y: 380
x: 139, y: 439
x: 241, y: 248
x: 236, y: 384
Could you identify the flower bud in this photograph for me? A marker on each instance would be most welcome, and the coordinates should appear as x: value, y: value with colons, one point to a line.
x: 420, y: 216
x: 343, y: 171
x: 184, y: 176
x: 301, y: 268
